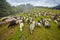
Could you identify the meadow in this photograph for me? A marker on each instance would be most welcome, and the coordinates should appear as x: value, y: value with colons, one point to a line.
x: 39, y: 33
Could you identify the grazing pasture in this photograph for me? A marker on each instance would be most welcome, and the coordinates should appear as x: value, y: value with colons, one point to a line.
x: 39, y: 33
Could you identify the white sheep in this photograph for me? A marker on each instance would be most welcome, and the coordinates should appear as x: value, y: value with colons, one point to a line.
x: 7, y: 19
x: 32, y: 25
x: 39, y: 24
x: 20, y: 23
x: 47, y: 25
x: 21, y: 26
x: 56, y: 21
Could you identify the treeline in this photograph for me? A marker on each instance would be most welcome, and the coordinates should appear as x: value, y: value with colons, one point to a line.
x: 6, y: 9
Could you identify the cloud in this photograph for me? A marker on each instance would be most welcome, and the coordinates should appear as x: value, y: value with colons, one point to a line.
x: 48, y: 3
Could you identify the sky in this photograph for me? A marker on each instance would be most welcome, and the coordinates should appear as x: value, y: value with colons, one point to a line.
x: 45, y: 3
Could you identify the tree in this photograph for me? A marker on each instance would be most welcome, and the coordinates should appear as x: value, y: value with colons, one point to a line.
x: 4, y: 8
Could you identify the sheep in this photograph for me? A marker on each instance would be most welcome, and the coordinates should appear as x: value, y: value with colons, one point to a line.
x: 56, y: 21
x: 23, y: 19
x: 48, y: 19
x: 20, y: 22
x: 3, y: 19
x: 32, y: 25
x: 47, y: 25
x: 12, y: 23
x: 7, y: 19
x: 29, y: 21
x: 42, y: 21
x: 21, y: 26
x: 38, y: 23
x: 15, y: 17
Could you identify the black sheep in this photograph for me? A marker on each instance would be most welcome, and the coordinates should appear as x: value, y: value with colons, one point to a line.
x: 28, y: 21
x: 12, y: 23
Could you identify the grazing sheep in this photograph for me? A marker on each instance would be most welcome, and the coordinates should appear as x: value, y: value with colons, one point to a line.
x: 12, y: 23
x: 20, y: 22
x: 56, y: 21
x: 21, y: 26
x: 15, y: 17
x: 32, y: 25
x: 5, y: 18
x: 47, y: 25
x: 48, y: 19
x: 38, y: 23
x: 23, y: 20
x: 18, y: 17
x: 29, y: 21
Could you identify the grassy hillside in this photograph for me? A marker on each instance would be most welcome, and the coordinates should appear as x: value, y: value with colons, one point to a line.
x: 39, y: 33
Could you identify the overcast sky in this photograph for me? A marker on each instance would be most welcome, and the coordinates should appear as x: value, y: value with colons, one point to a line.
x: 46, y: 3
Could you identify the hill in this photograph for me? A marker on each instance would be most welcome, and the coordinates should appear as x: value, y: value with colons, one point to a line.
x: 23, y: 7
x: 56, y: 7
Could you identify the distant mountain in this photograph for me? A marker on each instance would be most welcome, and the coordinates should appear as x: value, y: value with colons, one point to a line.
x: 23, y: 7
x: 29, y: 6
x: 56, y: 7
